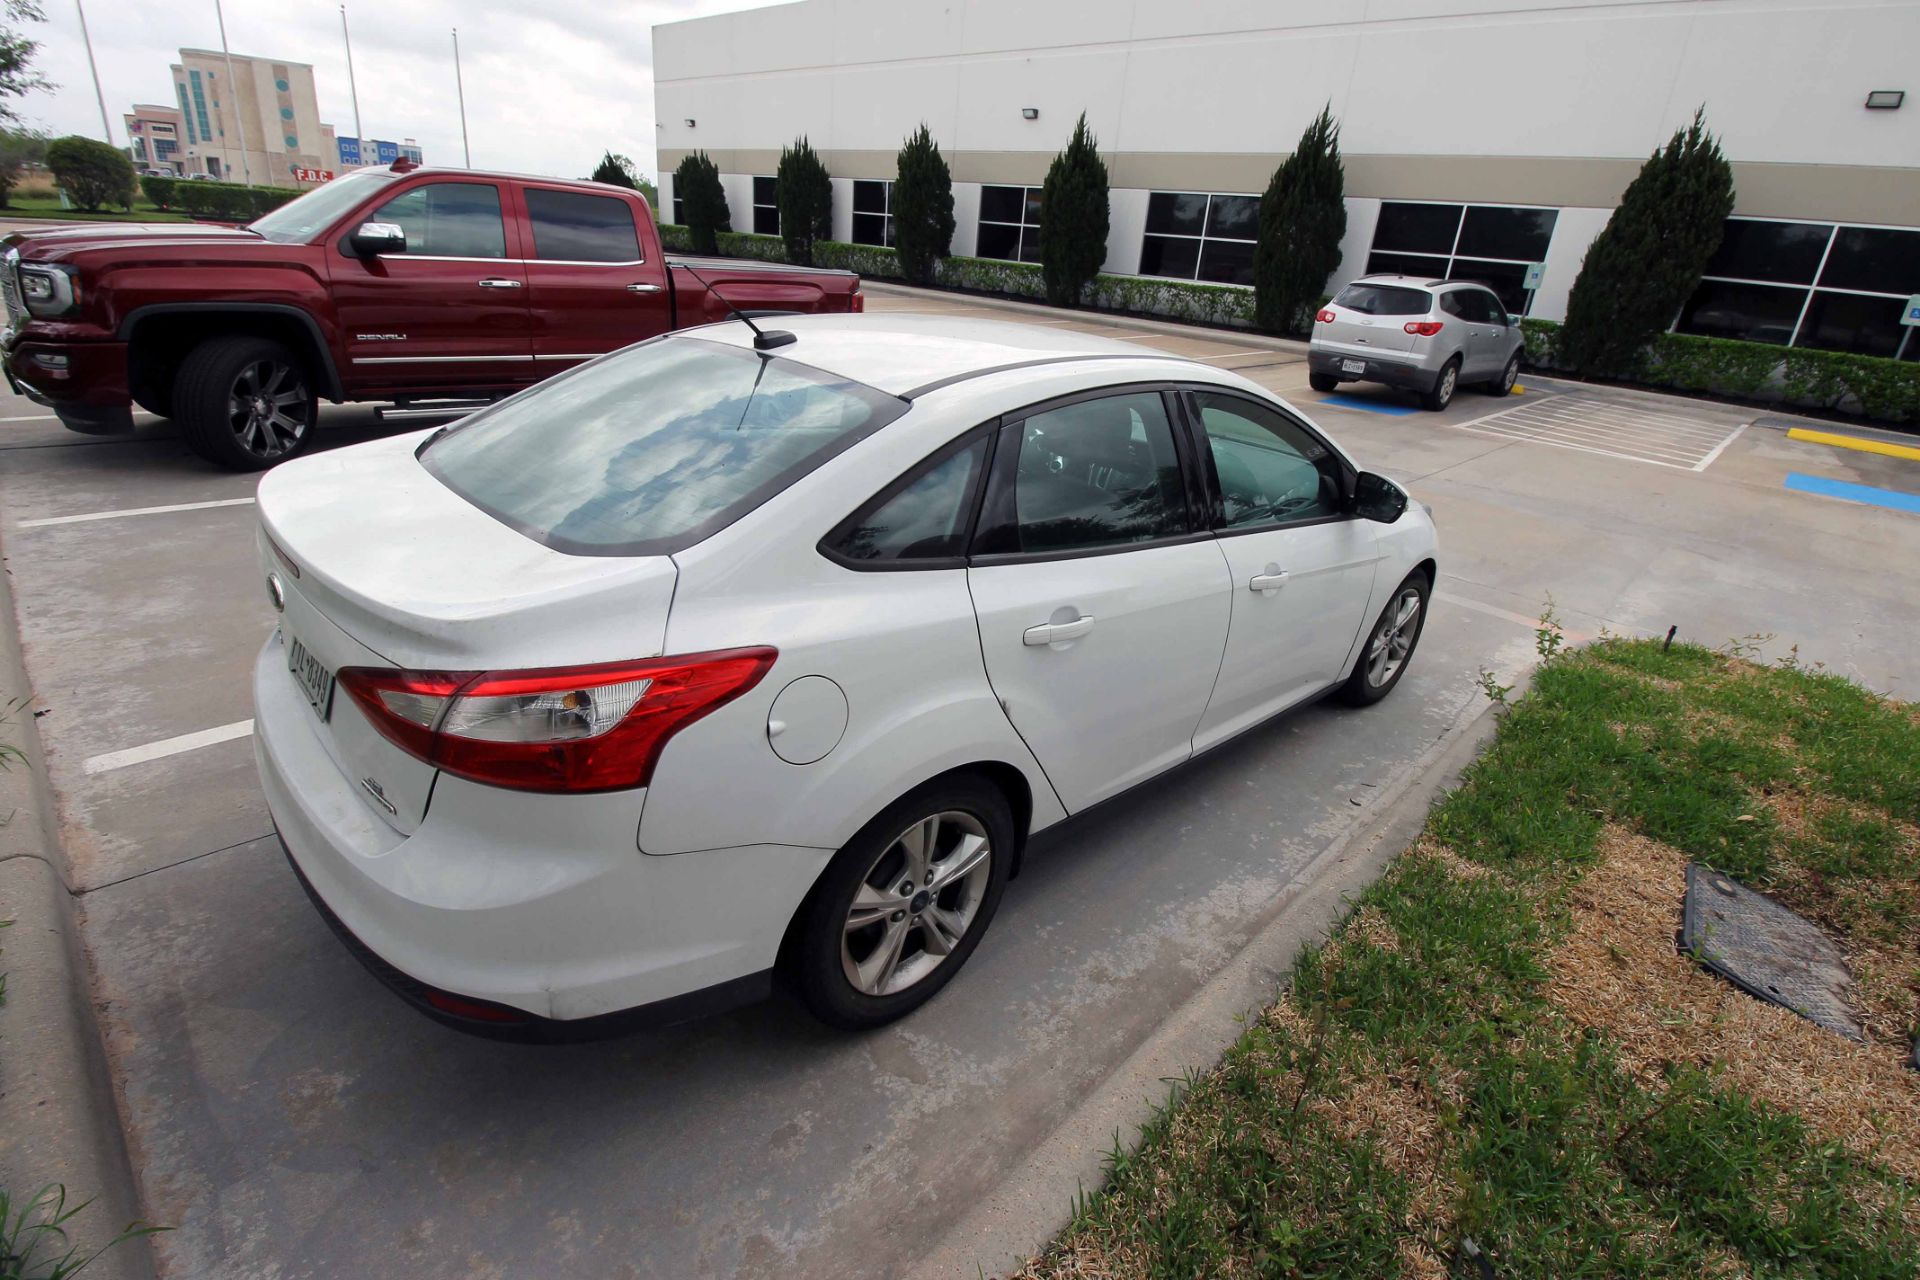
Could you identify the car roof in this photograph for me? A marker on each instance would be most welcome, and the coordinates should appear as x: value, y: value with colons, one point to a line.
x: 906, y: 355
x: 1417, y: 282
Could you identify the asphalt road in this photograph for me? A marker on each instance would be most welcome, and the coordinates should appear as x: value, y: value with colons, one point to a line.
x: 291, y: 1119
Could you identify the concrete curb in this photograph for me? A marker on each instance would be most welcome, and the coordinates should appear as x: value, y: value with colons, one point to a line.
x: 58, y: 1118
x: 1019, y: 1218
x: 1042, y: 311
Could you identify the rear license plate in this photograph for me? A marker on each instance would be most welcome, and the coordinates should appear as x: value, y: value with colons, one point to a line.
x: 1353, y: 366
x: 314, y: 679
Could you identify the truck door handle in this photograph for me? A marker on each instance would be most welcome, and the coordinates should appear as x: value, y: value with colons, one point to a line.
x: 1055, y: 632
x: 495, y: 282
x: 1272, y: 580
x: 643, y: 288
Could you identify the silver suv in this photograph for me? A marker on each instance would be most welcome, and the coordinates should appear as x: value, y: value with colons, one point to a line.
x: 1427, y: 336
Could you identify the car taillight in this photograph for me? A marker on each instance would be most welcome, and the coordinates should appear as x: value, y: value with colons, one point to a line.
x: 858, y: 302
x: 1325, y: 315
x: 1425, y: 328
x: 591, y: 728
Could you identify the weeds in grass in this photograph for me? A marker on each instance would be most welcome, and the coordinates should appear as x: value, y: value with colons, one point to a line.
x: 33, y: 1236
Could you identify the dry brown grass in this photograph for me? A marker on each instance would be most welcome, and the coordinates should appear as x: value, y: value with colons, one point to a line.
x: 1618, y: 970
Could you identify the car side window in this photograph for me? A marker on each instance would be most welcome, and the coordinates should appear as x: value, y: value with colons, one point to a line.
x: 1450, y: 303
x: 1495, y: 309
x: 448, y: 220
x: 1271, y: 470
x: 1474, y: 306
x: 925, y: 519
x: 1099, y: 473
x: 570, y: 226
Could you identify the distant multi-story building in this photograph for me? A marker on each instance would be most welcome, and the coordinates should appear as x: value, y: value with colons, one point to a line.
x: 259, y: 123
x: 155, y: 134
x: 357, y: 153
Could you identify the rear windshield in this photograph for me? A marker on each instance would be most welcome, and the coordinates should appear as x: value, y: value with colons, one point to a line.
x: 653, y: 449
x: 1384, y: 300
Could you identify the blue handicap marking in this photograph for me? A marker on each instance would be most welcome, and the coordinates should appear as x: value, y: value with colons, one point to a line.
x: 1892, y: 499
x: 1366, y: 405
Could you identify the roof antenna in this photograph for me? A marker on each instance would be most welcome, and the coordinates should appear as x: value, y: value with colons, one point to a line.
x: 763, y: 339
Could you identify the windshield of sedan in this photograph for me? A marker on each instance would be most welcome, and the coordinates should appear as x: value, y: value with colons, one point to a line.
x: 304, y: 217
x: 655, y: 448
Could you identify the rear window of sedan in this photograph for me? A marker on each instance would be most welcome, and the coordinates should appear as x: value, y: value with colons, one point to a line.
x: 1384, y: 300
x: 655, y: 448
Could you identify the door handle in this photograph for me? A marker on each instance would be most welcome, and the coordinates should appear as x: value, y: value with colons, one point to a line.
x: 1272, y: 580
x: 1055, y: 632
x: 643, y: 288
x: 495, y: 282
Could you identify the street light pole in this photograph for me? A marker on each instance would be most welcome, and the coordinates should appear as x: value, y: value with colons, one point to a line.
x: 461, y: 89
x: 353, y: 90
x: 233, y: 96
x: 106, y: 130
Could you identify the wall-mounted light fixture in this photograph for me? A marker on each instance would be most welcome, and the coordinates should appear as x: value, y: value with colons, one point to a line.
x: 1029, y: 113
x: 689, y: 122
x: 1886, y: 99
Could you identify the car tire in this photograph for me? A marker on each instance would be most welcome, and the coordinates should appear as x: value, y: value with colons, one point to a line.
x: 1389, y: 644
x: 245, y: 403
x: 1503, y: 385
x: 1322, y: 381
x: 1445, y: 383
x: 840, y: 969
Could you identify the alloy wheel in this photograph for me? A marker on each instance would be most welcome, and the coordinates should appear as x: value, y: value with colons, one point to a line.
x: 1448, y: 378
x: 916, y: 903
x: 268, y: 408
x: 1393, y: 639
x: 1511, y: 375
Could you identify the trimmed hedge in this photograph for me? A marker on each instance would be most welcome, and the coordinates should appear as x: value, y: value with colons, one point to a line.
x: 1872, y: 386
x: 745, y: 244
x: 223, y: 201
x: 675, y: 238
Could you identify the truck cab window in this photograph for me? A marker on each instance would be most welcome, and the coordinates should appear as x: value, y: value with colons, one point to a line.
x: 571, y: 227
x: 448, y: 220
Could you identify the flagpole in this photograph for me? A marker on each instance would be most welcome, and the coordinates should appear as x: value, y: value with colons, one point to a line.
x: 233, y: 96
x: 353, y: 89
x: 461, y: 89
x: 106, y: 130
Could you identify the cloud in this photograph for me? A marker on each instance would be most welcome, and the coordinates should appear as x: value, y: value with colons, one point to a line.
x: 549, y: 87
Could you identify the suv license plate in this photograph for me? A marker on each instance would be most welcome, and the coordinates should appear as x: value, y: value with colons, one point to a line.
x: 1353, y: 366
x: 314, y: 679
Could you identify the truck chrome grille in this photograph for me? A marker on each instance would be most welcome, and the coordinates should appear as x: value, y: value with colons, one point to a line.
x: 10, y: 289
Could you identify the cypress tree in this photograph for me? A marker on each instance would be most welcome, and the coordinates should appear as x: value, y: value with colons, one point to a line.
x: 703, y: 202
x: 804, y: 192
x: 1073, y: 218
x: 1642, y: 267
x: 922, y: 207
x: 615, y: 170
x: 1302, y: 218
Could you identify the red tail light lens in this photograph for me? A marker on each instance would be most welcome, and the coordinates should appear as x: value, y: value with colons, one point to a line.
x: 561, y: 729
x: 1325, y: 315
x: 858, y: 302
x: 1425, y: 328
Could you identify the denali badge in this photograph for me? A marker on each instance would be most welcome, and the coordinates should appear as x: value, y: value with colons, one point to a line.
x: 380, y: 337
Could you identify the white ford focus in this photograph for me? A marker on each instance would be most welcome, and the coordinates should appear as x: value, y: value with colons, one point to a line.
x: 704, y: 662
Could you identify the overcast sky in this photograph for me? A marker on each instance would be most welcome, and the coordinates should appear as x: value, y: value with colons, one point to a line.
x: 550, y: 84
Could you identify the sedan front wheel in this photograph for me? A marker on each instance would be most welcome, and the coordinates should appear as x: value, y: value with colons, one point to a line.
x: 1388, y: 648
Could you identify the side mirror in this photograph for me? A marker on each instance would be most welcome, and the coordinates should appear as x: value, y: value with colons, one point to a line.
x: 1513, y: 321
x: 376, y: 238
x: 1378, y: 498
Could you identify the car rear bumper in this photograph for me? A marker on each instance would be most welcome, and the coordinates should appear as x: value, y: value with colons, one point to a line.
x: 538, y: 915
x: 1392, y: 372
x: 85, y: 383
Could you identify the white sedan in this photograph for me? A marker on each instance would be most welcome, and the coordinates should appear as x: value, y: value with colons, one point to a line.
x: 713, y: 661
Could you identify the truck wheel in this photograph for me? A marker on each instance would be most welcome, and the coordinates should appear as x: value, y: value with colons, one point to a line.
x: 244, y: 403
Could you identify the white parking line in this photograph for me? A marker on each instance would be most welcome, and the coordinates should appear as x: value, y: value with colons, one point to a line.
x: 1495, y: 611
x: 135, y: 511
x: 32, y: 417
x: 167, y: 747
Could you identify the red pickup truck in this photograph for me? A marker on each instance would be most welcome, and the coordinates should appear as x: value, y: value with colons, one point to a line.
x: 403, y: 285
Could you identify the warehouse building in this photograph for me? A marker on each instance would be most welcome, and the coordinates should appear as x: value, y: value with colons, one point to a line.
x: 1483, y: 139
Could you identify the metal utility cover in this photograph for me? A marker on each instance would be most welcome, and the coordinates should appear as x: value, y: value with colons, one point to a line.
x: 1766, y: 950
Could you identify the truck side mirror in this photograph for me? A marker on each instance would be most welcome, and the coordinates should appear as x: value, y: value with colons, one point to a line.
x: 1378, y: 498
x: 376, y: 238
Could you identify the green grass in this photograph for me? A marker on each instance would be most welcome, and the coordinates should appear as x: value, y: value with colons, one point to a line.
x: 1419, y: 1087
x: 48, y: 206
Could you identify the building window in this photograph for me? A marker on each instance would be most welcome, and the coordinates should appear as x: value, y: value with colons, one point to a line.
x: 872, y: 212
x: 1492, y: 244
x: 200, y: 105
x: 766, y: 207
x: 1009, y: 224
x: 1810, y: 284
x: 679, y: 210
x: 186, y: 112
x: 1200, y: 237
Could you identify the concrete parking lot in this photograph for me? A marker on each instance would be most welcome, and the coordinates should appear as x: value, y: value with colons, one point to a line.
x: 290, y: 1118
